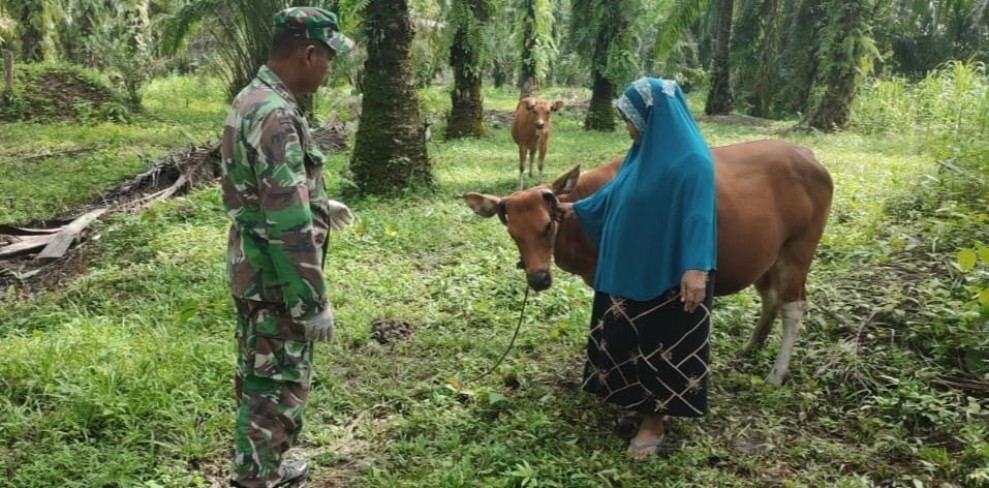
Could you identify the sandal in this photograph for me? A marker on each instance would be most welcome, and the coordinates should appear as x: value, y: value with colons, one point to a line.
x: 642, y: 451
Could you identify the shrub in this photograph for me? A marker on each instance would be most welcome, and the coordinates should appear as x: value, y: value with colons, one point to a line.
x: 55, y: 92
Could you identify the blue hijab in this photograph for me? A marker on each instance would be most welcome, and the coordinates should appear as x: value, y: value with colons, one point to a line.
x: 657, y: 218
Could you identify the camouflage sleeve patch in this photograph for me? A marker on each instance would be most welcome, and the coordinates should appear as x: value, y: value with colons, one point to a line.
x: 285, y: 203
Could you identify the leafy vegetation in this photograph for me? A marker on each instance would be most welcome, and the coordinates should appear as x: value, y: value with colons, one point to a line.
x: 44, y: 92
x: 123, y: 376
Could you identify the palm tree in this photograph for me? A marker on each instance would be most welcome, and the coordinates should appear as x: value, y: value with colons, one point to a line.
x: 601, y: 31
x: 390, y: 148
x: 678, y: 48
x: 756, y: 36
x: 241, y: 28
x: 849, y: 26
x: 537, y: 44
x: 764, y: 84
x: 719, y: 98
x: 800, y: 60
x: 925, y: 34
x: 467, y: 57
x: 32, y: 28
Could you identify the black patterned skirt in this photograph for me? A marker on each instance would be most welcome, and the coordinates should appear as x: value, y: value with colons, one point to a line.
x: 650, y: 357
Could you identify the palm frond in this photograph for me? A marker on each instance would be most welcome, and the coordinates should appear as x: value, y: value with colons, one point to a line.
x: 178, y: 26
x: 683, y: 15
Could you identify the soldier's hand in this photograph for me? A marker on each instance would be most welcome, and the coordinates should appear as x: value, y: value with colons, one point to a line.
x: 320, y: 327
x: 340, y: 215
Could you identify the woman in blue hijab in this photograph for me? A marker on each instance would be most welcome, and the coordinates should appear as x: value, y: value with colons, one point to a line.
x: 655, y: 225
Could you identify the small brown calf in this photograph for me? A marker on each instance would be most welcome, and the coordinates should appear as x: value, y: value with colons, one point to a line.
x: 531, y: 128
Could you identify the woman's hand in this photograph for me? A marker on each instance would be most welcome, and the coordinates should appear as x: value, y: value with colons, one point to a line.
x: 693, y: 286
x: 564, y: 210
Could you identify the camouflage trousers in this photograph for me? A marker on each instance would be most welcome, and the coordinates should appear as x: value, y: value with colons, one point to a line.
x: 274, y: 374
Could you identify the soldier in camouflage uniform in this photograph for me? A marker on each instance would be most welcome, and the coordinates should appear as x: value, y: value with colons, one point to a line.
x: 274, y: 195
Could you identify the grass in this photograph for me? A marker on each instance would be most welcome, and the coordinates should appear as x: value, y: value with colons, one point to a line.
x: 180, y: 112
x: 123, y: 376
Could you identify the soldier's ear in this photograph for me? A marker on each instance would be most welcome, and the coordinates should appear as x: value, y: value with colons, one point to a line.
x: 310, y: 54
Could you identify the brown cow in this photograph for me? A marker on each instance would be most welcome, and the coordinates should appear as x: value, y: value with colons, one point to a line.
x: 531, y: 128
x: 773, y: 202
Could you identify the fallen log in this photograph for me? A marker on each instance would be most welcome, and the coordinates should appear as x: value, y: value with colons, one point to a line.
x: 64, y: 238
x: 157, y: 196
x: 25, y: 231
x: 25, y: 245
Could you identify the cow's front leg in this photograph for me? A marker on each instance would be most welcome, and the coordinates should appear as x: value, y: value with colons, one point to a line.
x: 542, y: 156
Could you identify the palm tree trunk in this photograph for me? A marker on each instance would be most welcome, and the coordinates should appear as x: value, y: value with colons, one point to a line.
x: 765, y: 79
x: 527, y: 72
x: 601, y: 114
x: 390, y: 148
x: 31, y: 29
x: 840, y: 77
x: 466, y: 117
x: 800, y: 57
x: 719, y: 99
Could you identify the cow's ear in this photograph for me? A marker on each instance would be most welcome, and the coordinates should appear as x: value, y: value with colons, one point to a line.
x: 557, y: 105
x: 484, y: 205
x: 566, y: 183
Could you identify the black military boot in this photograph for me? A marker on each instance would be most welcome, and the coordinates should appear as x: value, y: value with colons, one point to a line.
x: 292, y: 472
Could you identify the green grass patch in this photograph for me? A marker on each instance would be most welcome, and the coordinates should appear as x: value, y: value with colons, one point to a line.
x: 87, y: 159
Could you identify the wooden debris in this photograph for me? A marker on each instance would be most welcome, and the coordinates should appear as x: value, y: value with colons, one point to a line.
x: 25, y: 245
x: 42, y: 249
x: 25, y: 231
x: 972, y: 386
x: 158, y: 196
x: 61, y: 241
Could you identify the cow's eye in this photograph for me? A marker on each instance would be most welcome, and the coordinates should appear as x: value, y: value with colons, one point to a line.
x: 549, y: 228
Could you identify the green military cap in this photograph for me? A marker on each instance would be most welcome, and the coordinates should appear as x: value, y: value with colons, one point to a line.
x: 314, y: 23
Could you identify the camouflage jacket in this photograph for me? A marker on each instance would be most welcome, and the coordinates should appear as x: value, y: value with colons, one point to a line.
x: 274, y: 195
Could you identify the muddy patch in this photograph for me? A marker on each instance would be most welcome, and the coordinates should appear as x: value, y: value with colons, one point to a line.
x: 390, y: 331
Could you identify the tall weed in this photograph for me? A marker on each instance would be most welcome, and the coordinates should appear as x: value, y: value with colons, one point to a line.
x: 946, y: 216
x: 949, y: 109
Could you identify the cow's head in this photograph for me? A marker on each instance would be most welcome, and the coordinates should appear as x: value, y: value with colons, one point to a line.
x: 540, y: 110
x: 533, y: 219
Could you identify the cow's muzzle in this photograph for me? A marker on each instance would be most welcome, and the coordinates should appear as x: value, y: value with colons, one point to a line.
x: 539, y: 280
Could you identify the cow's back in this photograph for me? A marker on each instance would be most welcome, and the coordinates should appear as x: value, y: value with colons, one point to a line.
x: 769, y: 193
